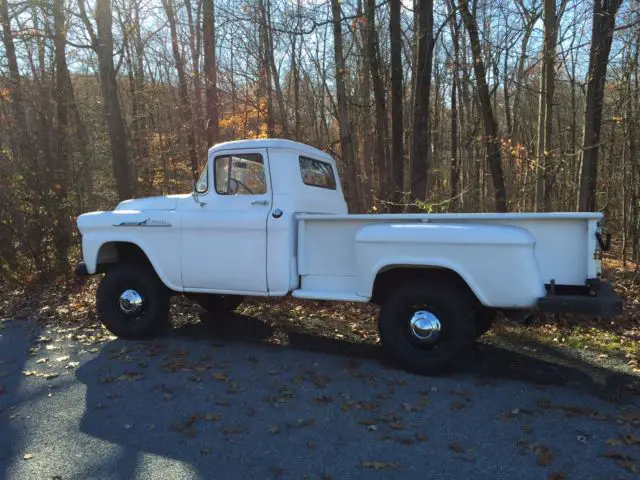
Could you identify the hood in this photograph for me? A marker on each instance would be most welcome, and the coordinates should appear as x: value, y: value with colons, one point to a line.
x: 167, y: 202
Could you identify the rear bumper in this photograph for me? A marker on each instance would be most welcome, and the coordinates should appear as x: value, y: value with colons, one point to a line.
x: 605, y: 303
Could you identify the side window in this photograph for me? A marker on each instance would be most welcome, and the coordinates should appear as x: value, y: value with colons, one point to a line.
x: 241, y: 174
x: 317, y: 173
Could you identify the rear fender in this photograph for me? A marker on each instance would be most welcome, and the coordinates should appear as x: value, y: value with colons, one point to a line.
x: 497, y: 262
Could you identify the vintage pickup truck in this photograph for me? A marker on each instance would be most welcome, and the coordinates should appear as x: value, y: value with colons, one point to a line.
x: 267, y: 217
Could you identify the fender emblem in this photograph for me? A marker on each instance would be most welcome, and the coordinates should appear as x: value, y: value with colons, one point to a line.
x: 147, y: 222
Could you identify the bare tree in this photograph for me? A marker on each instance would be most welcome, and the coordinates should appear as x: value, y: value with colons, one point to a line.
x: 346, y: 139
x: 491, y: 140
x: 102, y: 42
x: 421, y: 93
x: 210, y: 71
x: 604, y: 20
x: 397, y: 132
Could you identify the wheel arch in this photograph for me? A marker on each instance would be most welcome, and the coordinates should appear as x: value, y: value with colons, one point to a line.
x: 391, y: 275
x: 116, y: 252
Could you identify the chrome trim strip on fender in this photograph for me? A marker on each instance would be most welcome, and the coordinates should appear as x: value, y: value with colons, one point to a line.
x: 147, y: 222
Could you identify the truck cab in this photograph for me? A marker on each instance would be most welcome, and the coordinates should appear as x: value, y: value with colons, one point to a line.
x: 268, y: 217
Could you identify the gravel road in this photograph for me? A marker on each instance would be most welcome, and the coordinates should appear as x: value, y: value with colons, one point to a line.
x: 212, y: 403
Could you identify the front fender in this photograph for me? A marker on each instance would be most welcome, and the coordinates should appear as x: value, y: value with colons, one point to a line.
x: 496, y: 261
x: 160, y: 245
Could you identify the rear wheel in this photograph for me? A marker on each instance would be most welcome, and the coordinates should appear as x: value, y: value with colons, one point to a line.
x: 132, y: 302
x: 219, y: 303
x: 427, y: 326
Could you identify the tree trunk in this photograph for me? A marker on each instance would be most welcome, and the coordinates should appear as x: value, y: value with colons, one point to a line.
x: 488, y: 119
x: 517, y: 134
x: 397, y: 134
x: 422, y: 89
x: 183, y: 92
x: 364, y: 124
x: 284, y: 121
x: 109, y: 85
x: 382, y: 127
x: 210, y: 72
x: 601, y: 38
x: 540, y: 144
x: 61, y: 175
x: 544, y: 180
x: 194, y: 47
x: 346, y: 140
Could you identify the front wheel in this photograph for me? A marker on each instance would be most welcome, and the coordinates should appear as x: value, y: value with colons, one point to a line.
x: 427, y: 326
x: 132, y: 302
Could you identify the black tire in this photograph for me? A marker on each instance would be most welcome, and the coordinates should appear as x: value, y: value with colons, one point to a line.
x: 153, y: 316
x: 484, y: 321
x: 453, y: 305
x: 219, y: 303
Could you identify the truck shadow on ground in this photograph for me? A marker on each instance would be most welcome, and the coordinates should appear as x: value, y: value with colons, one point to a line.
x: 166, y: 410
x: 492, y: 358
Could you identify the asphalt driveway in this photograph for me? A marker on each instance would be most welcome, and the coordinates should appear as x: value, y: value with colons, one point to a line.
x: 216, y: 403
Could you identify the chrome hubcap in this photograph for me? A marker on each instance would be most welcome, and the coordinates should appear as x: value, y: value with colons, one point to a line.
x: 130, y: 302
x: 424, y: 326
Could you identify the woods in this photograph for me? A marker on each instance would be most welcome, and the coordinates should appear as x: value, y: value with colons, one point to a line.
x: 463, y: 105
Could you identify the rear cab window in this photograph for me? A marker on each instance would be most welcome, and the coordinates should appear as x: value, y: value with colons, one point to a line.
x: 316, y: 173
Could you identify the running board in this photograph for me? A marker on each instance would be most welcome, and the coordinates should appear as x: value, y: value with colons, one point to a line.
x: 316, y: 295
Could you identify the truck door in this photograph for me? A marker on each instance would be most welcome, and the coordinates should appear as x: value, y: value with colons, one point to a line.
x: 224, y: 241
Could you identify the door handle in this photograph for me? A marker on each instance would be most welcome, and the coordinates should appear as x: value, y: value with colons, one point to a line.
x: 260, y: 202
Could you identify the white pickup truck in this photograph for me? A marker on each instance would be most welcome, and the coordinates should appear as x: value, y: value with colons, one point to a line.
x: 268, y: 218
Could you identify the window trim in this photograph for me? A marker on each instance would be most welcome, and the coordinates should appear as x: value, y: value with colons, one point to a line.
x: 230, y: 155
x: 333, y: 175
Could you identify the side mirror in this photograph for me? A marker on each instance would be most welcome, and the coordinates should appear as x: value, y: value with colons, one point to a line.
x: 196, y: 195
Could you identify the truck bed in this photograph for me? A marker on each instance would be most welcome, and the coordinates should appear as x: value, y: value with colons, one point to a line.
x: 565, y: 246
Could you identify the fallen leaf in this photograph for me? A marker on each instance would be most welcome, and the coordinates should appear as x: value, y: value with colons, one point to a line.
x: 222, y: 376
x: 410, y: 408
x: 544, y: 453
x: 456, y: 447
x: 367, y: 421
x: 273, y: 429
x: 28, y: 456
x: 396, y: 426
x: 304, y: 422
x: 405, y: 440
x: 213, y: 417
x: 380, y: 465
x: 557, y: 476
x: 229, y: 430
x: 624, y: 461
x: 631, y: 439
